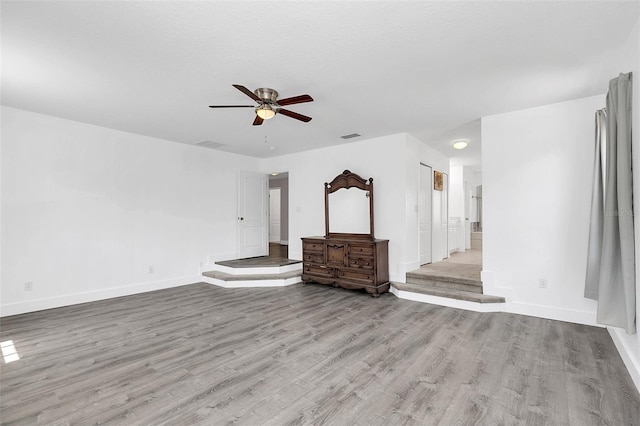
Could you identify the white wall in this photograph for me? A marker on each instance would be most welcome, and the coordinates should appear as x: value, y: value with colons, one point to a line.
x: 537, y: 173
x: 87, y: 210
x: 629, y: 344
x: 393, y: 163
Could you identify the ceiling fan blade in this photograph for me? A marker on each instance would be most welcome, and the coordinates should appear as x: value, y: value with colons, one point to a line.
x: 294, y: 115
x: 247, y: 92
x: 295, y: 100
x: 232, y: 106
x: 258, y: 121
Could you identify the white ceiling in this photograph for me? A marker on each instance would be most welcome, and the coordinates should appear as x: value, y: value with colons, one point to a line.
x: 375, y: 68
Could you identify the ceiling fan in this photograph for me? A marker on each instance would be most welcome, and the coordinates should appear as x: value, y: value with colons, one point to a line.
x: 269, y: 105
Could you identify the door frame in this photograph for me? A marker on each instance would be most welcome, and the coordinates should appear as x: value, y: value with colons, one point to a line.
x: 430, y: 197
x: 279, y: 207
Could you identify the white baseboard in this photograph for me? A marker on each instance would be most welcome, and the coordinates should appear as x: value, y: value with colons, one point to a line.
x: 284, y: 242
x: 553, y: 313
x: 252, y: 283
x: 631, y: 361
x: 92, y: 296
x: 261, y: 270
x: 547, y: 312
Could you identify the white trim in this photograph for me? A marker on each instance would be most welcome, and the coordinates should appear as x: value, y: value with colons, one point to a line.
x: 284, y: 242
x: 93, y: 296
x: 553, y: 313
x: 632, y: 364
x: 538, y: 311
x: 264, y: 270
x: 283, y: 282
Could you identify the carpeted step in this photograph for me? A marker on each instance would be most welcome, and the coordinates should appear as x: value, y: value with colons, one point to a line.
x: 444, y: 281
x: 449, y: 293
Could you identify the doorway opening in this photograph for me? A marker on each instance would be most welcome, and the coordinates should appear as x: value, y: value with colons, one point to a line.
x: 279, y: 215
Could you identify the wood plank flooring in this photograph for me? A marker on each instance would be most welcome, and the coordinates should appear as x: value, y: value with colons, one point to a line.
x: 306, y: 354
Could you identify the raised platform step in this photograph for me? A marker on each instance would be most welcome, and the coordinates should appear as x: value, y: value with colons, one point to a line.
x: 445, y: 282
x: 448, y: 293
x: 244, y: 267
x: 262, y: 276
x: 445, y: 275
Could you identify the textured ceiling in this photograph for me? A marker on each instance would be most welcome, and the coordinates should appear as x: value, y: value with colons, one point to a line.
x: 376, y: 68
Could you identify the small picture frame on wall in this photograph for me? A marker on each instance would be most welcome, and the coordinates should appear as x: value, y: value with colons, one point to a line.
x: 438, y: 180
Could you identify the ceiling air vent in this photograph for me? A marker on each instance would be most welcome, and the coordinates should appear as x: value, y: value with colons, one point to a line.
x: 352, y: 135
x: 209, y: 144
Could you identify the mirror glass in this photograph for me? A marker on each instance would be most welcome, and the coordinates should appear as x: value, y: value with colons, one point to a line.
x: 349, y: 211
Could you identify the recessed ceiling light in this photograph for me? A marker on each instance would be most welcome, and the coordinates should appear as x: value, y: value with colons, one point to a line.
x: 275, y: 174
x: 460, y: 144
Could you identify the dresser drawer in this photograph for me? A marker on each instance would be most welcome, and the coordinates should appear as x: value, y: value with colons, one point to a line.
x: 361, y: 262
x: 310, y: 246
x: 313, y: 257
x: 317, y: 270
x: 356, y: 275
x: 361, y: 249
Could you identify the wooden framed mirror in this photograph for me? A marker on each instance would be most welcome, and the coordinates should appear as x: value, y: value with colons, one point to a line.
x: 348, y: 207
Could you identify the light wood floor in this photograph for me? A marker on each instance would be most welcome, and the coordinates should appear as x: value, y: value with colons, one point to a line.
x: 306, y: 354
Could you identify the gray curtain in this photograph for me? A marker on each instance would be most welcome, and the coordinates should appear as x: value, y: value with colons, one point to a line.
x: 611, y: 265
x: 597, y: 209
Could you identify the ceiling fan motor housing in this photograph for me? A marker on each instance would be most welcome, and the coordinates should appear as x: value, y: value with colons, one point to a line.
x: 266, y: 94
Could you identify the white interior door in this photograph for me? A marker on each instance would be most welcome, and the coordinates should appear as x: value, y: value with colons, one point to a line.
x: 253, y: 210
x: 426, y: 196
x: 274, y: 215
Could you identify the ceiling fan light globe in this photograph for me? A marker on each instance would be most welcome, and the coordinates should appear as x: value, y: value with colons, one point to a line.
x: 265, y: 112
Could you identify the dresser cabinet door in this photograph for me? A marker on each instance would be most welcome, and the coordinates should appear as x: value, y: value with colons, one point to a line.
x: 337, y: 254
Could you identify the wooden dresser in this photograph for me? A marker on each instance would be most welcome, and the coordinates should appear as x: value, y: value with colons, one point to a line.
x: 347, y: 259
x: 347, y: 263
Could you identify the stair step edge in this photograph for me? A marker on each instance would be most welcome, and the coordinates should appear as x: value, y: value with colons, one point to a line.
x: 261, y: 277
x: 446, y: 278
x: 472, y: 288
x: 451, y: 294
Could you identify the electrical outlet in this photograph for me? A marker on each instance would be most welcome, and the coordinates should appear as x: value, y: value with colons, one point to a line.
x: 542, y: 283
x: 28, y: 286
x: 201, y: 263
x: 151, y: 269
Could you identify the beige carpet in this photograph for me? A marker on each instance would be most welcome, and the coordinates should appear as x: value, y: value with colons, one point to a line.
x: 469, y: 257
x: 467, y: 264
